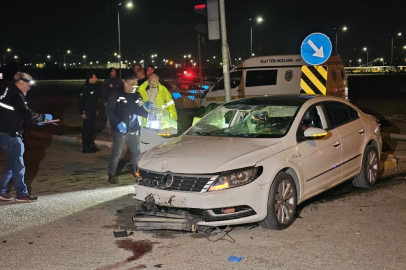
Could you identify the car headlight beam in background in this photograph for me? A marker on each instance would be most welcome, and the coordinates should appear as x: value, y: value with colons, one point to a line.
x: 235, y: 178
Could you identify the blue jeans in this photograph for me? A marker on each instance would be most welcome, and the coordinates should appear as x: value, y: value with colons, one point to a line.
x: 13, y: 147
x: 119, y: 139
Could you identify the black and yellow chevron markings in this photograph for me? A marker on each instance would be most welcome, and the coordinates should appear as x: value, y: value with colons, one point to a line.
x: 314, y: 80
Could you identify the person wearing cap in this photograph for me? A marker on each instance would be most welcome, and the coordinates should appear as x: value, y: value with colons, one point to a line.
x: 123, y: 109
x: 14, y: 114
x: 88, y: 105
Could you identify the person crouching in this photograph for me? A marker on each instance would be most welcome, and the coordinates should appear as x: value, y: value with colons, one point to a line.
x: 122, y: 110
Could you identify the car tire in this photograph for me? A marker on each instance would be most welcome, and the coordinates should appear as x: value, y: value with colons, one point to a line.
x: 282, y: 201
x: 369, y: 170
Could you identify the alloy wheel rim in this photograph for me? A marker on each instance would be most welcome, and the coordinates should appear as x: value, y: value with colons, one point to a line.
x: 285, y: 202
x: 372, y: 167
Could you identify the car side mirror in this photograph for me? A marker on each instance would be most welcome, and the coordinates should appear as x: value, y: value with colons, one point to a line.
x: 168, y: 132
x: 314, y: 133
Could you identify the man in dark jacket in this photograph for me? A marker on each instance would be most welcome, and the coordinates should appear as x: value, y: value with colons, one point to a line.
x: 88, y: 103
x: 123, y: 110
x: 14, y: 114
x: 110, y: 85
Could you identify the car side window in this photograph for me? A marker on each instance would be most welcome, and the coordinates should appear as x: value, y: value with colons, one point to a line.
x: 261, y: 77
x: 313, y: 117
x: 235, y: 80
x: 337, y: 113
x: 353, y: 113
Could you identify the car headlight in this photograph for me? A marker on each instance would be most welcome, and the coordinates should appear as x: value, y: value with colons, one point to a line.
x: 235, y: 178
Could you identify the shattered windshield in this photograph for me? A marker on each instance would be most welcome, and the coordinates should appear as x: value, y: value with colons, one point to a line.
x: 160, y: 119
x: 244, y: 120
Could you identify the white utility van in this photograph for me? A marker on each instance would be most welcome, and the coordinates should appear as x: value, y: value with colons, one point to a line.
x: 281, y: 74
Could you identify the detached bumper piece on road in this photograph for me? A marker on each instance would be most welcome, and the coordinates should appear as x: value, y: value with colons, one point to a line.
x: 154, y: 217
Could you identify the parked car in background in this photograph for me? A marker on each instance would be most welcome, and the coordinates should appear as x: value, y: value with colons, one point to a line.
x: 185, y: 94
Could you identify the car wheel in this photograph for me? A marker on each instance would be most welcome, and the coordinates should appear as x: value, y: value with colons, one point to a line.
x: 369, y: 170
x: 282, y: 202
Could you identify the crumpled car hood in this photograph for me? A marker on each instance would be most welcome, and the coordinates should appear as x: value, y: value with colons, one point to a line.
x: 205, y: 154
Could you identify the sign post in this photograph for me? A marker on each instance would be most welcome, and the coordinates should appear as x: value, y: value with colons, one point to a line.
x: 315, y: 50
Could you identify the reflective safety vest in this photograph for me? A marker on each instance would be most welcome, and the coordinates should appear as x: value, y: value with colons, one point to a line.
x: 164, y: 99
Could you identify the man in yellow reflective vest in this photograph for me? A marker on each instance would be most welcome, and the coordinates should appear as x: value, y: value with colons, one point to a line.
x: 156, y: 93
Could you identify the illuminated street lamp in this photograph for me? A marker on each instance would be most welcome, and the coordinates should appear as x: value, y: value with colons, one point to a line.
x: 366, y: 50
x: 64, y: 56
x: 391, y: 49
x: 4, y: 56
x: 383, y: 62
x: 344, y: 28
x: 84, y: 61
x: 129, y: 5
x: 258, y: 20
x: 359, y: 61
x: 49, y: 58
x: 16, y: 58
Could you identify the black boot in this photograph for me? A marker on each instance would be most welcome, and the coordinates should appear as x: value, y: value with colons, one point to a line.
x: 94, y: 147
x: 87, y: 149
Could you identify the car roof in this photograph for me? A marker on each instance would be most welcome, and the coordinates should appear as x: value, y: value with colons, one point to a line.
x: 295, y: 100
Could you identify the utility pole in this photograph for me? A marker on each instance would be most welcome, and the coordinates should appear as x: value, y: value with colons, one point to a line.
x: 224, y: 52
x: 119, y: 40
x: 200, y: 59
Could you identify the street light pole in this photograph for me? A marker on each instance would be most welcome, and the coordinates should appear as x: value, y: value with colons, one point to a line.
x: 344, y: 29
x: 366, y: 49
x: 391, y: 53
x: 119, y: 39
x: 64, y: 55
x: 259, y: 20
x: 336, y: 41
x: 391, y: 50
x: 251, y: 42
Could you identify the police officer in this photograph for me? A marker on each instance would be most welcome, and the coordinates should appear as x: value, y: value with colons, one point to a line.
x: 14, y: 114
x: 123, y: 110
x: 111, y: 84
x: 88, y: 103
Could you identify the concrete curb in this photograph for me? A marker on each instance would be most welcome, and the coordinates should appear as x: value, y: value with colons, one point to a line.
x: 390, y: 162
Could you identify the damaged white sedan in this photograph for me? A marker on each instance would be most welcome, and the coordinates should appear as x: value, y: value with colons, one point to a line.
x: 254, y: 160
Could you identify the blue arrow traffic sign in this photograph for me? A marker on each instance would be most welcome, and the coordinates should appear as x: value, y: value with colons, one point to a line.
x: 316, y: 49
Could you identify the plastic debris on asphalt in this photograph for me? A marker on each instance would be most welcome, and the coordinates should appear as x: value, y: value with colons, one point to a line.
x: 235, y: 259
x: 120, y: 234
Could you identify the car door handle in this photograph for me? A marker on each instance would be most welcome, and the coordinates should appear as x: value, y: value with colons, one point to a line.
x: 336, y: 144
x: 361, y: 131
x: 144, y: 142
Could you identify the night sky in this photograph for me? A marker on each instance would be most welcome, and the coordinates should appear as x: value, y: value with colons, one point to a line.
x: 34, y: 29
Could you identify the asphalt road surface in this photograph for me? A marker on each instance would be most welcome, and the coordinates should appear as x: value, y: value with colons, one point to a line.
x: 72, y: 225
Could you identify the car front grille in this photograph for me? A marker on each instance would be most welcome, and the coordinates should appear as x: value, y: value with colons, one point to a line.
x: 172, y: 181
